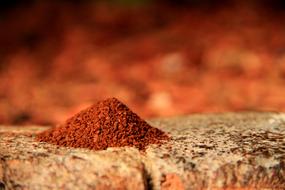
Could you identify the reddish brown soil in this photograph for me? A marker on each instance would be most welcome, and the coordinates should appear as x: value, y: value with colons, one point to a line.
x: 57, y: 58
x: 108, y: 123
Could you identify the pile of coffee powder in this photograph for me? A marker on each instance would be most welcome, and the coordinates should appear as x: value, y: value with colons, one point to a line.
x: 108, y: 123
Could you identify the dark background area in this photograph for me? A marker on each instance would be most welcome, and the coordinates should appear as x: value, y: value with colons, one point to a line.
x: 162, y: 58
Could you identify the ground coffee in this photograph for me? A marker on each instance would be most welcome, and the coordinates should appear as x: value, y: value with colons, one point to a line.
x: 108, y: 123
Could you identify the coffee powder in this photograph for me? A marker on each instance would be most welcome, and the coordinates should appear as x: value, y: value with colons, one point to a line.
x: 108, y: 123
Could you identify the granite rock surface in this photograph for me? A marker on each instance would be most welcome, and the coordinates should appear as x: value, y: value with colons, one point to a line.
x: 214, y: 151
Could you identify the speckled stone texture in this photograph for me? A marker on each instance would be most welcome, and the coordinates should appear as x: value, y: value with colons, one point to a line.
x: 220, y: 151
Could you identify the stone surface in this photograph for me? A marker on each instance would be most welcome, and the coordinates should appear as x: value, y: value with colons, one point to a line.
x: 218, y: 151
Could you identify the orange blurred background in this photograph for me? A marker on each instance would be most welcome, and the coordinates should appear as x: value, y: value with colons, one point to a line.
x: 159, y: 57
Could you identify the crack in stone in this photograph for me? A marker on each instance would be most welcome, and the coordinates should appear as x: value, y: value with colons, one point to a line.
x: 2, y: 186
x: 148, y: 181
x: 3, y: 168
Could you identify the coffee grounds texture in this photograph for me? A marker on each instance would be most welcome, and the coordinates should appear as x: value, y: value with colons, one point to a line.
x: 108, y: 123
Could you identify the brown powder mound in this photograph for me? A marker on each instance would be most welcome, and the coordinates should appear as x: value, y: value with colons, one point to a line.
x: 108, y: 123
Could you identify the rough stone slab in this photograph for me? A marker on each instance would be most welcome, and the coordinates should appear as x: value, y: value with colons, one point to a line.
x: 218, y: 151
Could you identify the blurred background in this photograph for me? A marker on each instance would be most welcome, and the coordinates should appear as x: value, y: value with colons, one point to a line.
x: 161, y: 58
